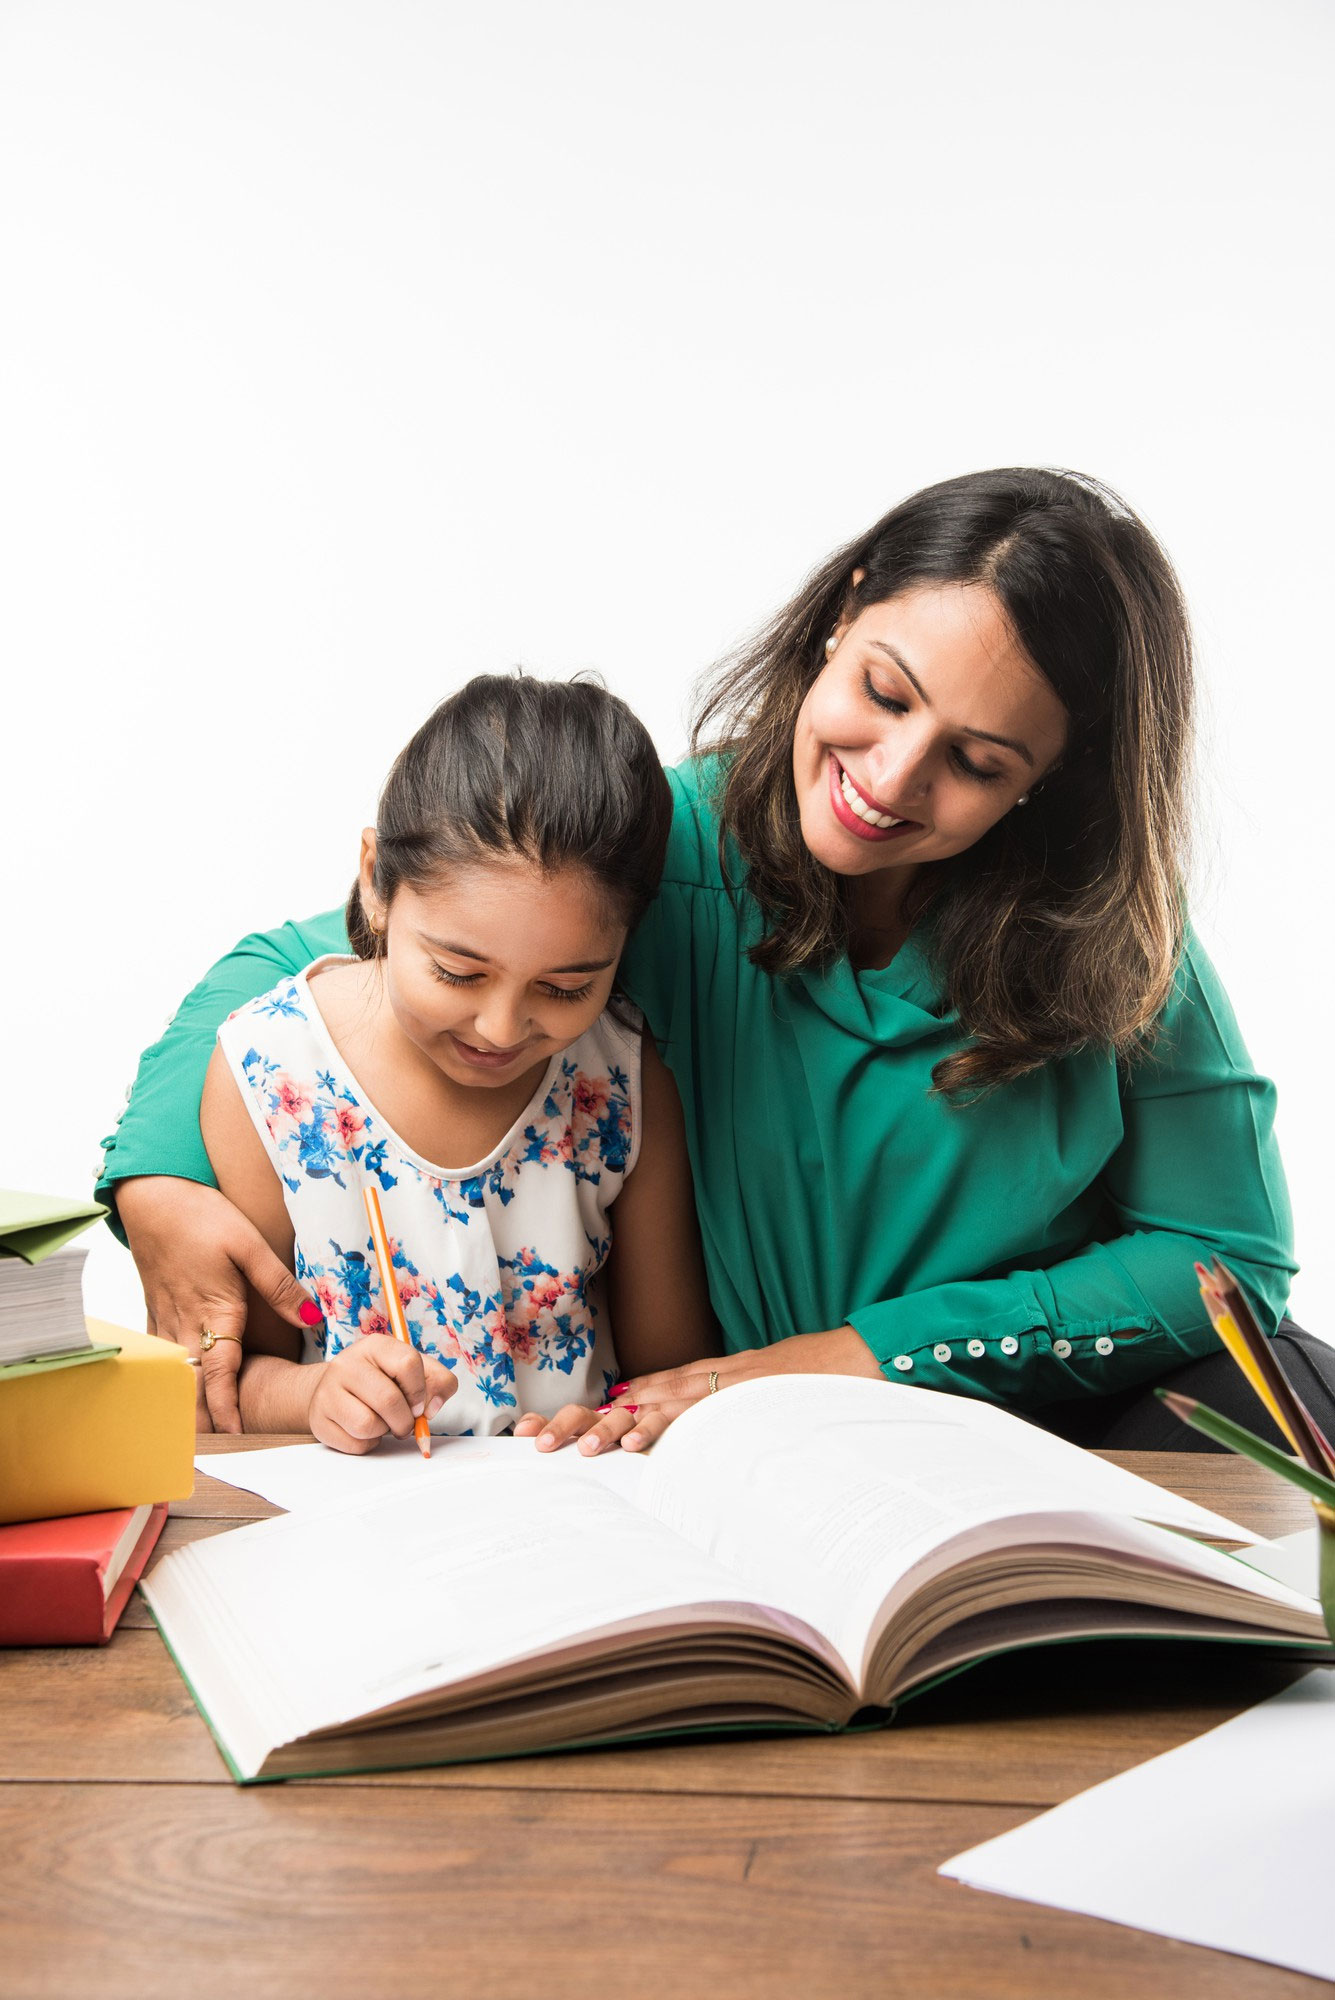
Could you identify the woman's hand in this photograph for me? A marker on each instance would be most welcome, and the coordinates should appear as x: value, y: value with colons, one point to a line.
x: 376, y: 1385
x: 645, y: 1406
x: 196, y: 1255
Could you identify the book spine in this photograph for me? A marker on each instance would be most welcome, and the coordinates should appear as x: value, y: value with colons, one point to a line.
x: 51, y: 1601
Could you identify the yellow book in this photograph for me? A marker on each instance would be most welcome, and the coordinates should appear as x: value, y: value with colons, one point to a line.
x: 119, y: 1433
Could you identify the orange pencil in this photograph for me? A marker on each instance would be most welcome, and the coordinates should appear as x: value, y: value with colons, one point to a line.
x: 393, y: 1303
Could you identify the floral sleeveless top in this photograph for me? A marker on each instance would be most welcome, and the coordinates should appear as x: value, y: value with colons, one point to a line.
x: 493, y: 1261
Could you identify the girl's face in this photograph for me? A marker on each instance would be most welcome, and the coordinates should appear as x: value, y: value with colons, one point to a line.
x: 495, y: 969
x: 926, y: 725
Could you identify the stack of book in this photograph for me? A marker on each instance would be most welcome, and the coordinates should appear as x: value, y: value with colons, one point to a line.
x: 96, y: 1436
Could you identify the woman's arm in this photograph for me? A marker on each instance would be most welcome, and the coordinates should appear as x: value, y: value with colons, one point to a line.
x: 197, y: 1255
x: 1197, y: 1174
x: 158, y: 1132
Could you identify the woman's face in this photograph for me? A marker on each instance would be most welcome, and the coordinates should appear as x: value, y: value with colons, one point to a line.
x: 926, y: 725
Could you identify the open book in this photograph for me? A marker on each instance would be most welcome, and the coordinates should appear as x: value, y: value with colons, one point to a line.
x: 800, y: 1553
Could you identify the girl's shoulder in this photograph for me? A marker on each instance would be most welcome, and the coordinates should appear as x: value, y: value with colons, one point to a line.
x: 290, y: 1004
x: 611, y: 1045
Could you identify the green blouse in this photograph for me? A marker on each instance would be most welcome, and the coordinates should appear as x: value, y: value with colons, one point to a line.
x: 1032, y: 1247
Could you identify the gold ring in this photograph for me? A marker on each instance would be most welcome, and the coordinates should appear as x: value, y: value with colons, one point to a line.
x: 713, y: 1381
x: 208, y: 1339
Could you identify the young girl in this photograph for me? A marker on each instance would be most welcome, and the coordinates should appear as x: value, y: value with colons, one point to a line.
x: 471, y: 1063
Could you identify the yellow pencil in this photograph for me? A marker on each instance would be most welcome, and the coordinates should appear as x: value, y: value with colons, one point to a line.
x: 1227, y: 1330
x: 393, y: 1303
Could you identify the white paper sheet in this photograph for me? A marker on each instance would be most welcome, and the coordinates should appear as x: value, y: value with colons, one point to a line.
x: 299, y: 1476
x: 1224, y: 1842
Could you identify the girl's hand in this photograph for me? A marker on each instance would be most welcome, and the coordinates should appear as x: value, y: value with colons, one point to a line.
x: 643, y: 1408
x: 374, y: 1386
x: 196, y: 1254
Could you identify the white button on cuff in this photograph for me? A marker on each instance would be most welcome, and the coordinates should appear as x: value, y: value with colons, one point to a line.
x: 903, y: 1363
x: 1061, y: 1348
x: 940, y: 1352
x: 1010, y: 1345
x: 977, y: 1349
x: 1103, y: 1345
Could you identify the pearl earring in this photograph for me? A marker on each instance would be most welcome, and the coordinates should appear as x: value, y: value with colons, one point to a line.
x: 831, y: 643
x: 1023, y: 799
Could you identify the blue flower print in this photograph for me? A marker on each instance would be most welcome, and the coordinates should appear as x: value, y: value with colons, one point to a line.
x: 281, y: 1001
x: 318, y: 1150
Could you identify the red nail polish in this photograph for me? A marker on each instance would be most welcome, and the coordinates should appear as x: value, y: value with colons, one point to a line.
x: 602, y: 1409
x: 617, y: 1388
x: 310, y: 1313
x: 631, y: 1409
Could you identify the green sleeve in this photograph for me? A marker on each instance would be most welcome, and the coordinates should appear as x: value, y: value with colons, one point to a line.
x: 158, y: 1132
x: 1197, y: 1175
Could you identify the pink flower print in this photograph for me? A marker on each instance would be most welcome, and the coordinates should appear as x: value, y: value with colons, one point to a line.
x: 332, y: 1300
x: 547, y: 1294
x: 292, y: 1099
x: 372, y: 1321
x: 351, y: 1125
x: 409, y: 1286
x: 590, y: 1099
x: 518, y: 1339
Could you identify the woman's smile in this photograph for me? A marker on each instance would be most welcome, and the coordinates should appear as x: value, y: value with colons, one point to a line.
x: 859, y: 812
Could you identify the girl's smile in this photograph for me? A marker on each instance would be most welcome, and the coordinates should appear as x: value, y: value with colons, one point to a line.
x: 488, y: 1058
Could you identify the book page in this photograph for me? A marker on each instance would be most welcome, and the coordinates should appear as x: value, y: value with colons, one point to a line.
x: 824, y: 1491
x: 313, y: 1620
x: 312, y: 1475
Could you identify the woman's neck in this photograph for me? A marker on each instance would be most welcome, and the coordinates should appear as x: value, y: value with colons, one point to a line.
x: 881, y: 914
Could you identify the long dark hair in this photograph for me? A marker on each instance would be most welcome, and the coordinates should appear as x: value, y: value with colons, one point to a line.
x: 1061, y: 928
x: 558, y: 772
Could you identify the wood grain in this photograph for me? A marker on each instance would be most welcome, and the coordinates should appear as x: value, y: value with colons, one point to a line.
x: 790, y: 1867
x: 291, y: 1891
x: 1024, y: 1732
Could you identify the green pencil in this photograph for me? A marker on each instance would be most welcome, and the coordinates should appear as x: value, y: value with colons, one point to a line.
x: 1224, y: 1431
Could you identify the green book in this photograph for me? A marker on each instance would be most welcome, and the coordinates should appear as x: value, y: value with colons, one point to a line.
x: 44, y: 1364
x: 41, y: 1275
x: 33, y: 1226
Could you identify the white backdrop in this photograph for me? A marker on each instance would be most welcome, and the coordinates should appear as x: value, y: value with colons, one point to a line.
x: 349, y: 347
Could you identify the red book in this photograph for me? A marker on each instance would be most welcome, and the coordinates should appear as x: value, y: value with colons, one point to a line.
x: 66, y: 1582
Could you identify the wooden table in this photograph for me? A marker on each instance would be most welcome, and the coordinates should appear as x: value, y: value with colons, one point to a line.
x: 132, y: 1866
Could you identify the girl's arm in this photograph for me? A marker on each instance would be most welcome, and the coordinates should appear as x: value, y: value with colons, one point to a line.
x: 656, y: 1289
x: 655, y: 1276
x: 376, y: 1385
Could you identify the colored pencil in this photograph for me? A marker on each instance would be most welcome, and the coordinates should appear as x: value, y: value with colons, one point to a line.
x: 1227, y: 1329
x: 1308, y: 1440
x: 1224, y: 1431
x: 393, y: 1303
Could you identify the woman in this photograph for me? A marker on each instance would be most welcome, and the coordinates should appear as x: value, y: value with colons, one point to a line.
x: 964, y: 1099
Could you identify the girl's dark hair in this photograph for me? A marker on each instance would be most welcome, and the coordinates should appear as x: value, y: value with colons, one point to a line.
x: 1061, y: 928
x: 558, y: 772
